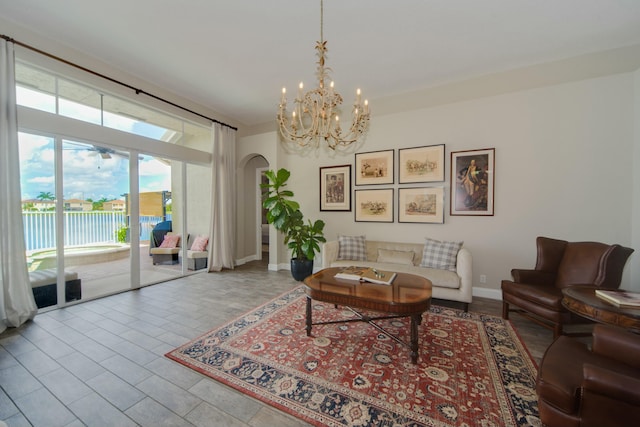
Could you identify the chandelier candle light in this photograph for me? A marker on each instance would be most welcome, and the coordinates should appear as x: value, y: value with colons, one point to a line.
x: 315, y: 114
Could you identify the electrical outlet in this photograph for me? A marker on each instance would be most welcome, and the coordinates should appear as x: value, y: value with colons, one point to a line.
x: 483, y: 278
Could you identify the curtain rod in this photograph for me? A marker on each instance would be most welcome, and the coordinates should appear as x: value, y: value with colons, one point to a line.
x: 136, y: 90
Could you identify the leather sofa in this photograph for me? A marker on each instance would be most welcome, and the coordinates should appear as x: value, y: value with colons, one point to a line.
x: 537, y: 293
x: 578, y: 386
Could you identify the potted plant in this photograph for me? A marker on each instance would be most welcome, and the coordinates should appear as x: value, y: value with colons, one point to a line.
x: 302, y: 238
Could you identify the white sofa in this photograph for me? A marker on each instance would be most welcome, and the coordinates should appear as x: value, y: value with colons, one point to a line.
x: 447, y: 285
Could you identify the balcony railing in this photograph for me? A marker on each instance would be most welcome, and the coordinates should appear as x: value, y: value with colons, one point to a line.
x: 80, y: 228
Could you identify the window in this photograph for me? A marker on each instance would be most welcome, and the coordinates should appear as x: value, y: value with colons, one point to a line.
x: 45, y: 91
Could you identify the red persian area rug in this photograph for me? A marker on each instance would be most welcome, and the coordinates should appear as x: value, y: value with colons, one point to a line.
x: 472, y: 370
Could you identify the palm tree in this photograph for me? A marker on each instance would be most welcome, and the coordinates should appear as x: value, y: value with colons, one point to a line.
x: 98, y: 205
x: 46, y: 195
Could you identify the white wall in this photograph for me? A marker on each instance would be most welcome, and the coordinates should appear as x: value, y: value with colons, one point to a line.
x: 564, y: 169
x: 247, y: 149
x: 635, y: 266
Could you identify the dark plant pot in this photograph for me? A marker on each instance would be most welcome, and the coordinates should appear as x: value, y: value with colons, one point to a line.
x: 301, y: 268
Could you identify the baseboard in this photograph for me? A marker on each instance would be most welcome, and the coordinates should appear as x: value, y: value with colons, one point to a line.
x: 285, y: 266
x: 495, y: 294
x: 245, y: 260
x: 273, y: 267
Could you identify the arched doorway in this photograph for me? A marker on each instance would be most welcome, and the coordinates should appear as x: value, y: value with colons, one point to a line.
x: 253, y: 231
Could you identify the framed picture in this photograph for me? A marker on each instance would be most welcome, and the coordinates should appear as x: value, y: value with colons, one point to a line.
x: 472, y: 182
x: 335, y: 188
x: 374, y: 205
x: 421, y: 164
x: 375, y: 167
x: 424, y: 205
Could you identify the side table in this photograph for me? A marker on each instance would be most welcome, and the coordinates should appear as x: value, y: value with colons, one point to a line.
x: 583, y: 301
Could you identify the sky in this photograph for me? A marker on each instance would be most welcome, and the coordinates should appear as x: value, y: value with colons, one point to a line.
x: 86, y: 175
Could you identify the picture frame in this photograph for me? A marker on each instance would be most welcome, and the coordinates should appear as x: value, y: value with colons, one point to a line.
x: 421, y: 205
x: 421, y: 164
x: 374, y: 167
x: 374, y: 205
x: 335, y: 188
x: 472, y: 182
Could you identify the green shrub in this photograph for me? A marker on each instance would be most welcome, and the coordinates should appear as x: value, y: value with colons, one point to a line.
x: 122, y: 234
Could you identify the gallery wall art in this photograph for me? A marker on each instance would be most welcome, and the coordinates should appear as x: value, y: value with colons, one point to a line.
x: 472, y: 182
x: 335, y: 188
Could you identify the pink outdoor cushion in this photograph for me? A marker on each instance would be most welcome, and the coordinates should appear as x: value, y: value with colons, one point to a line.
x: 200, y: 244
x: 170, y: 241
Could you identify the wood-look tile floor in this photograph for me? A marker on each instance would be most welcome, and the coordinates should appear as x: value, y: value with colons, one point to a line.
x: 101, y: 362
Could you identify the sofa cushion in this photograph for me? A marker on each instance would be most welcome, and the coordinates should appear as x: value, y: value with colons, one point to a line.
x: 352, y: 248
x: 547, y: 296
x: 49, y: 276
x: 197, y: 254
x: 164, y: 251
x: 395, y: 257
x: 441, y: 255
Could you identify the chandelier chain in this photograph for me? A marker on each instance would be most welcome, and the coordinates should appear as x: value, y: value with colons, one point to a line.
x: 321, y: 21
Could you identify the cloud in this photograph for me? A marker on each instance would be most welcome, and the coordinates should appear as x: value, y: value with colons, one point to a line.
x: 150, y: 166
x: 85, y: 173
x: 41, y: 180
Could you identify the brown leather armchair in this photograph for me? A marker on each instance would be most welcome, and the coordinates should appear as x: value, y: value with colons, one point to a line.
x: 577, y: 386
x: 537, y: 293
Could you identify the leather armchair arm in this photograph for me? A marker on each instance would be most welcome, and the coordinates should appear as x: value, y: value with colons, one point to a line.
x: 532, y: 277
x: 613, y: 385
x: 617, y: 344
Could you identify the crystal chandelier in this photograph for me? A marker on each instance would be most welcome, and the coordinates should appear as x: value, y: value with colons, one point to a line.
x: 315, y: 114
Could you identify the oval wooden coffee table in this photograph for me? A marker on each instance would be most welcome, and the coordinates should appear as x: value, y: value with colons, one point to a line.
x: 582, y: 300
x: 408, y: 296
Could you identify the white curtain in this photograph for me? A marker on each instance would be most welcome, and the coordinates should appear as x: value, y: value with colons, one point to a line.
x: 223, y: 198
x: 17, y: 304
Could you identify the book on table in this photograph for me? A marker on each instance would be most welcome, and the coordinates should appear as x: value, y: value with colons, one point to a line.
x: 619, y: 298
x: 366, y: 274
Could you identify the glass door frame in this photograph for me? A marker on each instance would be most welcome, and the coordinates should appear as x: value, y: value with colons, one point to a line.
x: 134, y: 219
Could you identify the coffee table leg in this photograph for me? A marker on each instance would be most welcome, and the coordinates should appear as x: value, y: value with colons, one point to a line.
x: 309, y: 321
x: 415, y: 321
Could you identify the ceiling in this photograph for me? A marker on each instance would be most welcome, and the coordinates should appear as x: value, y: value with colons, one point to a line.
x: 234, y: 56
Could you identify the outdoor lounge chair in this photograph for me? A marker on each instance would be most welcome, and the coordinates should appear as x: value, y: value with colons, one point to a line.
x: 197, y: 256
x: 43, y: 285
x: 168, y: 254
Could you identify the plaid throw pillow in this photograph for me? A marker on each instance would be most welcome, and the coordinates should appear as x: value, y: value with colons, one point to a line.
x: 352, y: 248
x: 440, y: 255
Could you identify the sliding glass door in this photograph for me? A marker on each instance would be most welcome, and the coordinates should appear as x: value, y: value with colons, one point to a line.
x: 93, y: 216
x: 158, y: 261
x: 95, y: 180
x: 38, y: 183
